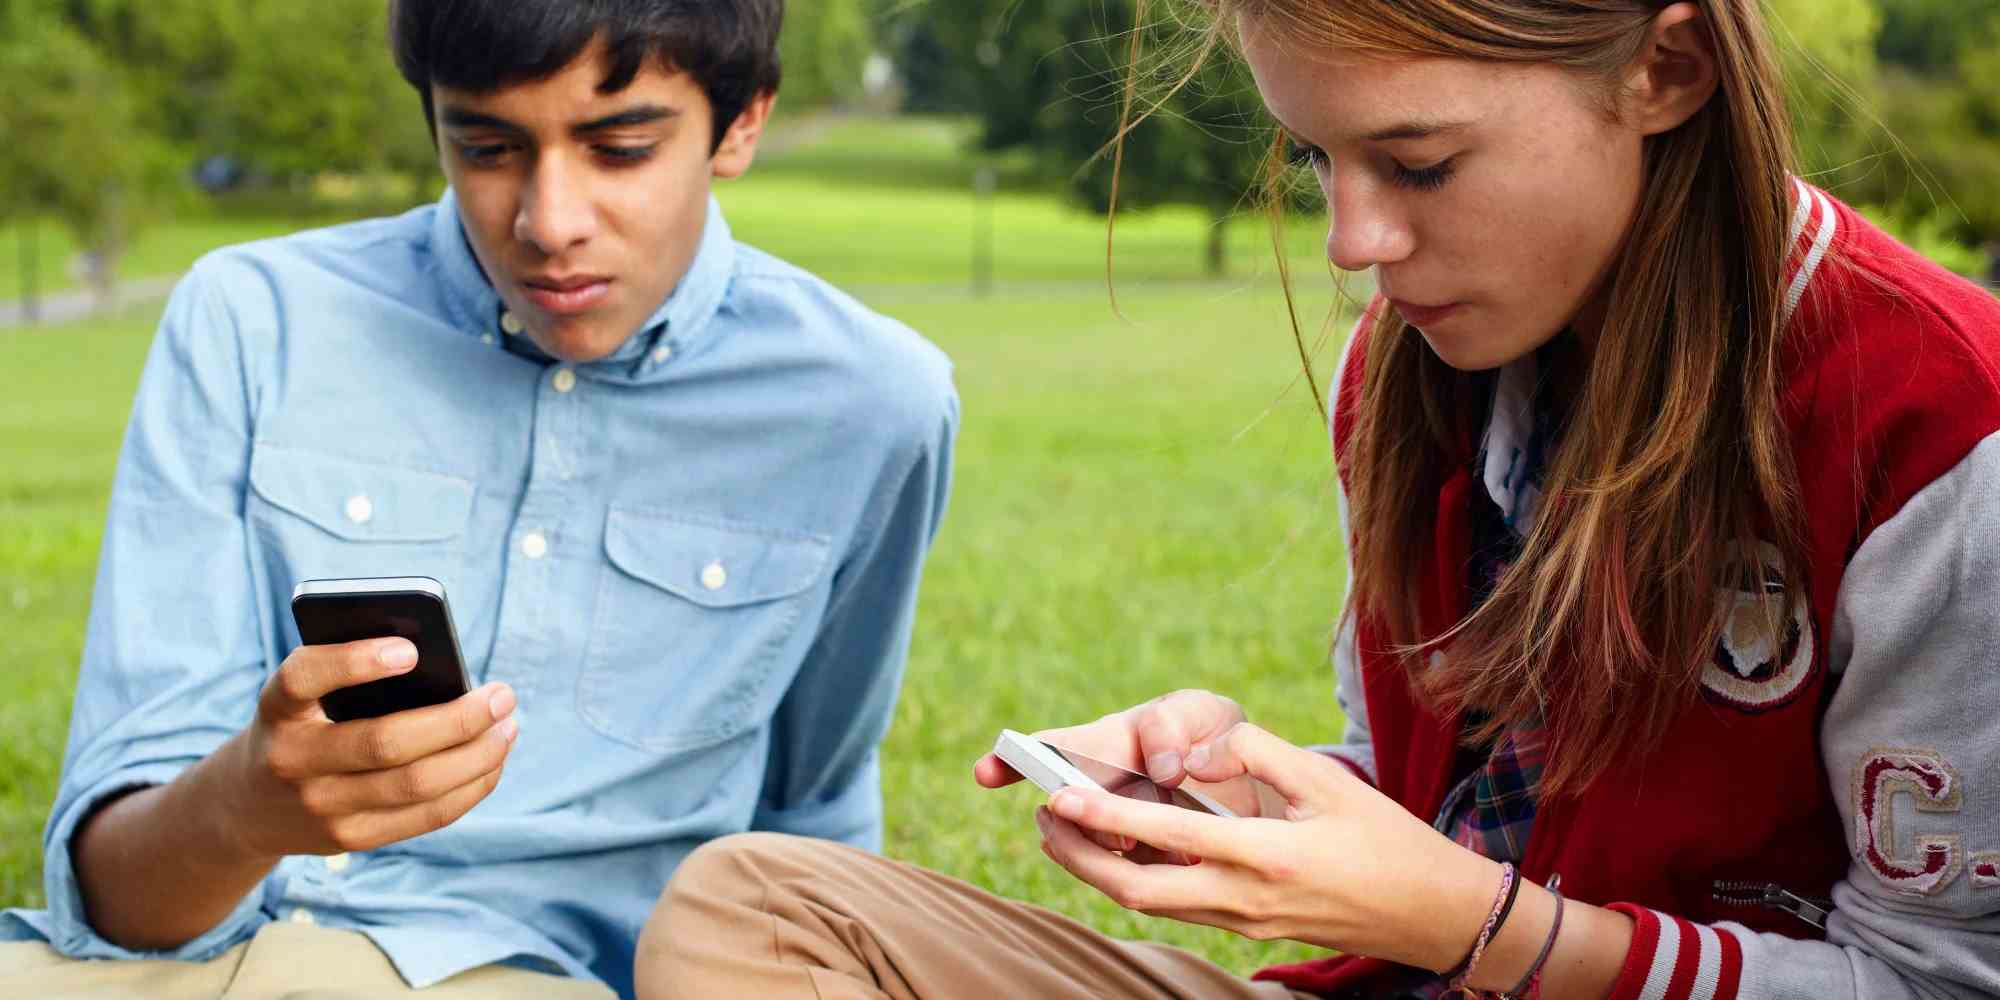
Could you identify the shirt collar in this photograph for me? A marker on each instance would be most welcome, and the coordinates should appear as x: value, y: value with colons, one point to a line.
x: 1512, y: 451
x: 680, y: 324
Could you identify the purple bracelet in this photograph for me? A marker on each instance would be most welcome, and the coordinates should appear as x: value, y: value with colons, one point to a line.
x: 1530, y: 985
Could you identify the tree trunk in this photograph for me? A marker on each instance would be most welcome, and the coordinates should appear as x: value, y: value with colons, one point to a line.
x: 1218, y: 242
x: 31, y: 306
x: 104, y: 279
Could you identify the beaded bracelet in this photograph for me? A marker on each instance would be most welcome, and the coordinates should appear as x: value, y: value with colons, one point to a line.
x: 1530, y: 986
x: 1503, y: 901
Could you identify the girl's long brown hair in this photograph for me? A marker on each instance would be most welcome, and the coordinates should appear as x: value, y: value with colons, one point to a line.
x: 1673, y: 463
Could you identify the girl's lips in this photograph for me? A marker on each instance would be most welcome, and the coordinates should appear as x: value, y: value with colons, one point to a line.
x: 570, y: 301
x: 1423, y: 316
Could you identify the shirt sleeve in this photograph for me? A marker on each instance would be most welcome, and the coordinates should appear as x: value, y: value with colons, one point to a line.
x: 823, y: 779
x: 1911, y: 745
x: 172, y: 659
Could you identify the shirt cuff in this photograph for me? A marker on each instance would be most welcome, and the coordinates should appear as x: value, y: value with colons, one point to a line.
x: 66, y: 925
x: 854, y: 816
x: 1677, y: 959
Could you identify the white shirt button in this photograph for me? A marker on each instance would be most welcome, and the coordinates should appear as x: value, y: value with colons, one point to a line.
x: 301, y: 915
x: 511, y: 324
x: 534, y: 545
x: 360, y: 509
x: 662, y: 354
x: 714, y: 577
x: 564, y: 380
x: 488, y: 339
x: 337, y: 863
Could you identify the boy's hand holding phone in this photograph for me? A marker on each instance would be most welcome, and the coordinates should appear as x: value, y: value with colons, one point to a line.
x: 304, y: 784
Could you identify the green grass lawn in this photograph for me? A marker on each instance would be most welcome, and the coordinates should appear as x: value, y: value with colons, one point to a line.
x: 1142, y: 504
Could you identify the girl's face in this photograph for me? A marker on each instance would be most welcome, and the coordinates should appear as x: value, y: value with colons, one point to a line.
x: 1492, y: 200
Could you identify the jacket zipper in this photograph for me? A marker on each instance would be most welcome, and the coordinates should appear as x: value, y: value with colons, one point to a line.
x: 1770, y: 895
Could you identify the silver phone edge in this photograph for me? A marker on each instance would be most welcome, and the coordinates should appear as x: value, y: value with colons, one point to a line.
x: 369, y: 585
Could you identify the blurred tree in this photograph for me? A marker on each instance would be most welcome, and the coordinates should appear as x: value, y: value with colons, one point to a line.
x: 315, y: 90
x: 1828, y: 51
x: 293, y: 89
x: 1922, y: 139
x: 824, y: 46
x: 78, y: 148
x: 1924, y: 35
x: 1050, y: 75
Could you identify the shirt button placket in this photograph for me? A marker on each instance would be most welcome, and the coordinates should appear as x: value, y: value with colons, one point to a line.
x: 532, y: 626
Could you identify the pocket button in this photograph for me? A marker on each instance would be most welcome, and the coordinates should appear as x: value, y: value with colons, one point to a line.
x: 714, y: 576
x: 534, y: 545
x: 360, y: 509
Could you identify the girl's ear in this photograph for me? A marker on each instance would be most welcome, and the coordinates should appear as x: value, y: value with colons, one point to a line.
x: 1674, y: 75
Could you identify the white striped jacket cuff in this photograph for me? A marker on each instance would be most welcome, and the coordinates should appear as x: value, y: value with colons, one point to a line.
x: 1675, y: 959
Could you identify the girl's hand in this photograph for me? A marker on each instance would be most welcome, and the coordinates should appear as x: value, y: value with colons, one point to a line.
x: 1155, y: 739
x: 1345, y: 867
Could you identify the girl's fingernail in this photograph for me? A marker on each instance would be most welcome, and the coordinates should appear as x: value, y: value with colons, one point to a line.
x: 1042, y: 821
x: 501, y: 702
x: 1198, y: 757
x: 1164, y: 767
x: 1068, y: 804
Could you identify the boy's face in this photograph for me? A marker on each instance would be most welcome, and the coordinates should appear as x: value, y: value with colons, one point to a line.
x: 586, y: 208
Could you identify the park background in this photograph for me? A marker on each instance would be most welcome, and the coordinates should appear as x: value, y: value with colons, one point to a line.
x: 1143, y: 498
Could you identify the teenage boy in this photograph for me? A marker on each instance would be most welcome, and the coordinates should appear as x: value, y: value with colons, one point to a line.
x: 678, y: 493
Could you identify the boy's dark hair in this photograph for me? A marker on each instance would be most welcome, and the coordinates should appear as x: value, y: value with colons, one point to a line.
x: 729, y: 47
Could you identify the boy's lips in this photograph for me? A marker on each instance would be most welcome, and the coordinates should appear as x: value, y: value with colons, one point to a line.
x: 567, y: 296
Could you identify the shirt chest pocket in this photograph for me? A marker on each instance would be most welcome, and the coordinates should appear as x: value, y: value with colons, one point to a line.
x: 318, y: 516
x: 695, y: 619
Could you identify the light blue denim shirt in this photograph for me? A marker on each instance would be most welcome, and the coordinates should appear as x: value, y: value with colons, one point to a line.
x: 696, y: 562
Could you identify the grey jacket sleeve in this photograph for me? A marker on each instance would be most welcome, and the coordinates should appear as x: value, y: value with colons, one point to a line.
x: 1356, y: 748
x: 1911, y: 745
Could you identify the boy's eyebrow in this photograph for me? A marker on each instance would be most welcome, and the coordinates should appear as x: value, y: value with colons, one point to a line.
x: 641, y: 115
x: 455, y: 117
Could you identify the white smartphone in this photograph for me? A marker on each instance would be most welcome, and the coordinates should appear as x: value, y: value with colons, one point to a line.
x: 1053, y: 768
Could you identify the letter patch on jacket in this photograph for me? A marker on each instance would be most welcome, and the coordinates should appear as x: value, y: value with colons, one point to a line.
x: 1755, y: 668
x: 1986, y: 871
x: 1934, y: 787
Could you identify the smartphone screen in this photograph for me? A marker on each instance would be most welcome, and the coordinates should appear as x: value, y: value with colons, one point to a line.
x: 1132, y: 784
x: 329, y: 616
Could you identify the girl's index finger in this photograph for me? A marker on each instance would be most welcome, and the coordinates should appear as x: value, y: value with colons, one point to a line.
x: 1163, y: 827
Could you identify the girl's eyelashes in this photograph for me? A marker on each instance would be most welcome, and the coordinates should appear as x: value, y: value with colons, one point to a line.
x: 1300, y: 154
x: 1427, y: 178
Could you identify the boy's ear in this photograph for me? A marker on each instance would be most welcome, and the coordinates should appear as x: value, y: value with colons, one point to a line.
x: 739, y: 145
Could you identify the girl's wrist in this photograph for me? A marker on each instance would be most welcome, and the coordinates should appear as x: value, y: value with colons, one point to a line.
x: 1465, y: 892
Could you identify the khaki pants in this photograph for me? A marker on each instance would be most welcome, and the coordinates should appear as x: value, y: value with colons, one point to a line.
x: 762, y: 915
x: 287, y: 961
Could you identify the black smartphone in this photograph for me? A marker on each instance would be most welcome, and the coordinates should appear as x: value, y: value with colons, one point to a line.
x: 332, y: 612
